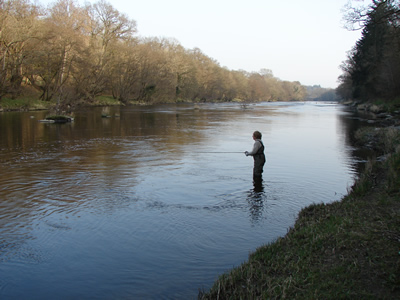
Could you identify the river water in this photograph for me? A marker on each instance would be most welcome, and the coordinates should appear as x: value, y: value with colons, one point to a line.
x: 156, y: 202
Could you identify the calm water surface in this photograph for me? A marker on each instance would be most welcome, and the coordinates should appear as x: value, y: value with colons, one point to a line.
x: 145, y: 204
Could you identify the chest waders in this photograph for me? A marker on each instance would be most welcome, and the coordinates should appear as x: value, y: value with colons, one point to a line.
x: 259, y: 161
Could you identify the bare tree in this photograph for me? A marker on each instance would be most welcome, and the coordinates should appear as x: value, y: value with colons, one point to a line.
x: 108, y: 28
x: 18, y: 25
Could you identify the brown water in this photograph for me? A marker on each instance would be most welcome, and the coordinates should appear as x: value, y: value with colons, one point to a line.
x: 147, y: 204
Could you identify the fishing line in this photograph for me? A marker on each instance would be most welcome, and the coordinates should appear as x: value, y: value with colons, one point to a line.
x: 219, y: 152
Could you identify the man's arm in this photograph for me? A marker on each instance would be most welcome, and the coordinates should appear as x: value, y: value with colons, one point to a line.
x: 256, y: 146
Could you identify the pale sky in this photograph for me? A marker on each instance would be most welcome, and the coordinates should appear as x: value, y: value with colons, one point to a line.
x: 298, y: 40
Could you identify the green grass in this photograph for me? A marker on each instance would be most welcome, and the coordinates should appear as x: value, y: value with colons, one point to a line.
x: 24, y: 103
x: 32, y: 103
x: 106, y: 101
x: 390, y: 106
x: 344, y: 250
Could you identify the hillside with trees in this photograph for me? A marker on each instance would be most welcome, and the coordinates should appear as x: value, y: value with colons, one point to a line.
x: 318, y: 93
x: 73, y: 54
x: 372, y: 70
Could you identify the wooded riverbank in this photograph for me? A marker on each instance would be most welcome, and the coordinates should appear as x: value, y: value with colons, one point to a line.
x: 346, y: 249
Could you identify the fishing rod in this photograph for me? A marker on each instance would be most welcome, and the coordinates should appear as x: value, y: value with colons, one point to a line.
x: 220, y: 152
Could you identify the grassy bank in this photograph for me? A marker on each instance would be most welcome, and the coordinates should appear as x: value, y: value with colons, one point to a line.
x: 24, y: 104
x: 344, y: 250
x: 29, y: 103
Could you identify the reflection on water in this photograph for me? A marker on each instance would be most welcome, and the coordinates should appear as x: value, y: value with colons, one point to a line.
x: 153, y: 202
x: 256, y: 198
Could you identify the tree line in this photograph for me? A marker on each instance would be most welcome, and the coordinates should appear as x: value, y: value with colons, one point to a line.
x: 75, y: 53
x: 372, y: 69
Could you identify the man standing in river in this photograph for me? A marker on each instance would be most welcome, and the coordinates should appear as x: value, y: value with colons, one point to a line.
x: 258, y: 155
